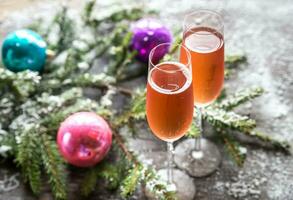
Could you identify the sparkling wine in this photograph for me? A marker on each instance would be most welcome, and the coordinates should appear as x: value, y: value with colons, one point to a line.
x: 169, y: 103
x: 206, y: 47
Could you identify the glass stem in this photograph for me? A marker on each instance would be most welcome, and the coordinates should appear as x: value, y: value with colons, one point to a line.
x: 170, y: 162
x: 199, y: 125
x: 197, y: 152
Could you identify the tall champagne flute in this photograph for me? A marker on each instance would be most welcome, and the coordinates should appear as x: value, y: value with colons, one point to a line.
x: 169, y: 99
x: 204, y: 38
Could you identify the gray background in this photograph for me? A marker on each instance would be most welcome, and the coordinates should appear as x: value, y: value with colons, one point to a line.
x: 262, y: 30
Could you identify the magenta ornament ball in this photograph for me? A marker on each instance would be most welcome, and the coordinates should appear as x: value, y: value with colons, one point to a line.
x: 148, y: 33
x: 84, y: 139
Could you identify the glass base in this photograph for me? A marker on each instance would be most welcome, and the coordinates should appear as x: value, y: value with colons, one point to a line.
x: 182, y: 184
x: 197, y: 163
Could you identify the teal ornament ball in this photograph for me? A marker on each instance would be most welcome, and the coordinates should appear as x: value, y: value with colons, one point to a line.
x: 24, y: 50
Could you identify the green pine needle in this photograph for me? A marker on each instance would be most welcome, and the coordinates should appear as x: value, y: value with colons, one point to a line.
x: 193, y: 131
x: 235, y: 150
x: 88, y: 9
x: 131, y: 181
x: 136, y: 109
x: 227, y: 119
x: 239, y: 98
x: 89, y: 182
x: 54, y: 166
x: 234, y: 61
x: 66, y: 31
x: 28, y: 159
x: 268, y: 140
x: 21, y: 84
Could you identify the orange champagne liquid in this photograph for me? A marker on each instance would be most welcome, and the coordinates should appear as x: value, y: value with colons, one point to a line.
x: 169, y: 103
x: 206, y: 47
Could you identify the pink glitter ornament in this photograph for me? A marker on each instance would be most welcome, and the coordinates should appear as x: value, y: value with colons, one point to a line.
x: 84, y: 139
x: 148, y: 33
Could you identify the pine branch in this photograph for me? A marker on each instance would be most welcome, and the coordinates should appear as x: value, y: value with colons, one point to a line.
x: 112, y: 173
x: 234, y: 61
x: 268, y: 140
x: 66, y: 31
x: 226, y: 119
x: 118, y: 14
x: 239, y: 98
x: 131, y: 70
x: 156, y: 185
x: 53, y: 120
x: 89, y: 182
x: 222, y: 96
x: 54, y: 166
x: 50, y: 103
x: 136, y: 109
x: 131, y: 181
x: 7, y: 143
x: 87, y: 12
x: 70, y: 66
x: 123, y: 68
x: 236, y: 151
x: 28, y: 158
x: 140, y: 174
x: 22, y: 84
x: 7, y: 106
x: 91, y: 80
x: 120, y: 50
x: 193, y: 130
x: 178, y: 40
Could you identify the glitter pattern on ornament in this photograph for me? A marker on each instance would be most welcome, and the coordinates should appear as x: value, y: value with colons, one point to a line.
x: 148, y: 33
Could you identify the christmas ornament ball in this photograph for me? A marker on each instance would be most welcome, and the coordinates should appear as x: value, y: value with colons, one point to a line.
x: 148, y: 33
x: 84, y: 138
x: 24, y: 49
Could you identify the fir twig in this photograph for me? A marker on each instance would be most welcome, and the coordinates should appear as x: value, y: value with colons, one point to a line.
x: 131, y: 181
x: 158, y: 187
x: 22, y: 84
x: 66, y: 30
x: 120, y: 143
x: 88, y: 9
x: 193, y: 130
x: 28, y: 158
x: 136, y: 109
x: 54, y: 166
x: 239, y: 98
x: 91, y: 80
x: 268, y: 140
x: 89, y: 182
x: 224, y: 119
x: 234, y: 61
x: 237, y: 152
x: 118, y: 15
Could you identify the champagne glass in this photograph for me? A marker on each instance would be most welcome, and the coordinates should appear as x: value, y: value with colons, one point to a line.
x: 169, y: 99
x: 203, y: 36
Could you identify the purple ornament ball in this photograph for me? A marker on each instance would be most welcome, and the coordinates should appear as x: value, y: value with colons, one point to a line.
x: 148, y: 33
